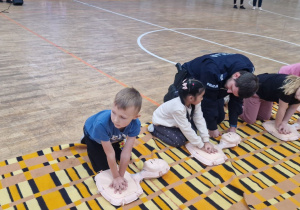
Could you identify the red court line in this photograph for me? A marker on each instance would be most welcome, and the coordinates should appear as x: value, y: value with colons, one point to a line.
x: 74, y: 56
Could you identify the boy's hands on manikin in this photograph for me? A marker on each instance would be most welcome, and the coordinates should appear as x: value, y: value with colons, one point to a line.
x: 120, y: 184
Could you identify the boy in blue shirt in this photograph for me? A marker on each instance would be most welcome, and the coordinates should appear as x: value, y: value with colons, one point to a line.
x: 105, y: 131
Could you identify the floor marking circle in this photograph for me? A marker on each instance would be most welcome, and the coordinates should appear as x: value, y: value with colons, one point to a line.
x: 249, y: 2
x: 206, y: 29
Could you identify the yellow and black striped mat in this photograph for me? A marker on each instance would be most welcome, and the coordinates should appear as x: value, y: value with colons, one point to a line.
x: 261, y: 173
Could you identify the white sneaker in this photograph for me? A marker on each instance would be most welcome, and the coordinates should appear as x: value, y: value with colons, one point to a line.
x: 259, y: 8
x: 151, y: 128
x: 253, y: 8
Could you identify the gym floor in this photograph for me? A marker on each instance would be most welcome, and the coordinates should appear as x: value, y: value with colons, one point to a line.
x: 64, y: 60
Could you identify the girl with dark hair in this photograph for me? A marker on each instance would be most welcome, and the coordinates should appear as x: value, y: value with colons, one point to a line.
x: 178, y: 120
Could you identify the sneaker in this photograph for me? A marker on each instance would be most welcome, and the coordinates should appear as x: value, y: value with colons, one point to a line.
x: 234, y: 6
x: 259, y: 8
x: 253, y: 8
x: 242, y: 7
x: 9, y: 1
x: 82, y: 141
x: 151, y: 128
x: 1, y: 0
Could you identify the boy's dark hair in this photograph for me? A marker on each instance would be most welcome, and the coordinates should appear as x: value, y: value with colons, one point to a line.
x: 128, y: 97
x: 247, y: 84
x: 191, y: 87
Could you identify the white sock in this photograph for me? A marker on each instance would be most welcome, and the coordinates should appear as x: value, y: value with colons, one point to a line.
x: 151, y: 128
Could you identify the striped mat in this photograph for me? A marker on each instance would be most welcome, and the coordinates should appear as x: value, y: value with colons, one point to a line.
x: 261, y: 173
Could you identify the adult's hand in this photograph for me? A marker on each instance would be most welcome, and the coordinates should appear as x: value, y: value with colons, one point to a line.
x: 232, y: 129
x: 214, y: 133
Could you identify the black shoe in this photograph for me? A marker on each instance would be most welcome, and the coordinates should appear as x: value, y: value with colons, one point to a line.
x: 1, y: 0
x: 83, y: 141
x: 9, y: 1
x: 234, y: 6
x: 242, y: 7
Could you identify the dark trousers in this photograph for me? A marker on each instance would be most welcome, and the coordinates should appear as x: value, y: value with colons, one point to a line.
x: 215, y: 116
x: 97, y: 155
x: 241, y: 2
x: 259, y: 3
x: 171, y: 135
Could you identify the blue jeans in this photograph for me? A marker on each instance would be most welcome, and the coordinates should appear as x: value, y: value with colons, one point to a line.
x: 259, y: 3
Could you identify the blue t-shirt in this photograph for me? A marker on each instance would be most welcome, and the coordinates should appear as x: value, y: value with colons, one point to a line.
x: 99, y: 127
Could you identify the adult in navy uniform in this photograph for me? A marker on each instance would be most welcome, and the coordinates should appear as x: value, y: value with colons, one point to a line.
x: 223, y: 74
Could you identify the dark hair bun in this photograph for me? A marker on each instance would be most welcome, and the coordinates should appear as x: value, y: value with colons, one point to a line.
x: 192, y: 87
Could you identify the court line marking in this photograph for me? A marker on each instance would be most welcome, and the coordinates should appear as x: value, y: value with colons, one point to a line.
x: 76, y: 57
x: 275, y: 12
x: 207, y: 29
x: 280, y: 14
x: 116, y: 13
x: 100, y: 71
x: 164, y: 28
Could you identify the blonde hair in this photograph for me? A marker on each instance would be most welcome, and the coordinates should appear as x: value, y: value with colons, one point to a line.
x: 128, y: 97
x: 291, y: 84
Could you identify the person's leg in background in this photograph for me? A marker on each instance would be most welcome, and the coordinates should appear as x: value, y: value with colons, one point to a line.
x: 254, y: 4
x: 234, y: 4
x: 259, y: 4
x: 241, y: 4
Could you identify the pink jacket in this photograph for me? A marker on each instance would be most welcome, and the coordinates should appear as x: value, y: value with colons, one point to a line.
x: 293, y: 69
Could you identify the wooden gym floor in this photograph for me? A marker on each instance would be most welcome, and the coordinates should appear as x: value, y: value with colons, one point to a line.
x: 64, y: 60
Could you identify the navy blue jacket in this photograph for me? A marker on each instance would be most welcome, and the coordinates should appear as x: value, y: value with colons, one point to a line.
x: 213, y: 70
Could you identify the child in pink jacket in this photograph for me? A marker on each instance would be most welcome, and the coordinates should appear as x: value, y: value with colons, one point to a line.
x: 293, y: 69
